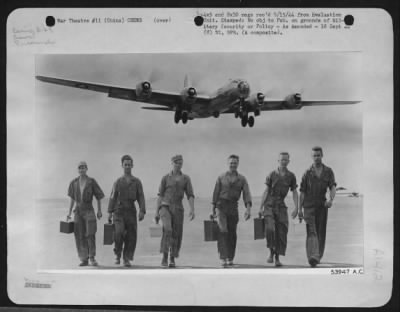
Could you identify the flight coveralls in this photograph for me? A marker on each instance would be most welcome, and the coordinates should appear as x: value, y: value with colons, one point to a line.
x: 172, y: 189
x: 225, y: 198
x: 315, y: 212
x: 85, y: 224
x: 275, y: 210
x: 122, y: 205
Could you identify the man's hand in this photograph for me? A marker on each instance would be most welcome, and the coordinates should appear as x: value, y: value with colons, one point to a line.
x: 328, y: 203
x: 261, y: 211
x: 191, y: 215
x: 213, y: 214
x: 247, y: 214
x: 301, y: 215
x: 110, y: 217
x: 294, y: 213
x: 99, y: 214
x: 141, y: 215
x: 157, y: 218
x: 68, y: 217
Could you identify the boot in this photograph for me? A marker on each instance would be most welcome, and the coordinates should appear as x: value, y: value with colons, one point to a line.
x: 164, y: 261
x: 171, y: 262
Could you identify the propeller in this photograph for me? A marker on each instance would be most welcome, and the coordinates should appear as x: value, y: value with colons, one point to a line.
x: 260, y: 97
x: 145, y: 74
x: 200, y: 84
x: 155, y: 75
x: 192, y: 92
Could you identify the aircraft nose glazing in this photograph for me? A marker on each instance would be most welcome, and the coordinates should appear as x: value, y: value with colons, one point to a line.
x: 243, y: 88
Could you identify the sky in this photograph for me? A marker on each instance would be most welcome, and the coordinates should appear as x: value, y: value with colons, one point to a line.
x: 74, y: 124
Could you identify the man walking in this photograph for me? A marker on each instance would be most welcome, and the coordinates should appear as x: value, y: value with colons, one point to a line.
x: 314, y: 184
x: 274, y: 210
x: 227, y: 191
x: 126, y: 190
x: 173, y: 187
x: 81, y: 191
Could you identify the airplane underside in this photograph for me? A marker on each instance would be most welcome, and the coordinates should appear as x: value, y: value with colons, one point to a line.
x: 243, y: 112
x: 246, y: 117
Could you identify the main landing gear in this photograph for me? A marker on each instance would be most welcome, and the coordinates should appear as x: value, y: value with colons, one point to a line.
x: 184, y: 115
x: 242, y: 112
x: 246, y: 119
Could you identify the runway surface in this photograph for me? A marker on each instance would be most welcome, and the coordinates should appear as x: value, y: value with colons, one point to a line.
x: 344, y: 244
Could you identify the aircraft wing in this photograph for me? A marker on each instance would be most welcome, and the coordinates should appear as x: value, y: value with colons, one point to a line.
x: 321, y: 103
x: 267, y: 105
x: 270, y: 105
x: 164, y: 98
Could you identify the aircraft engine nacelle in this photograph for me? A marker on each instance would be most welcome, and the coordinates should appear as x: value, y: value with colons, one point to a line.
x: 256, y: 101
x: 143, y: 90
x: 293, y: 101
x: 189, y: 96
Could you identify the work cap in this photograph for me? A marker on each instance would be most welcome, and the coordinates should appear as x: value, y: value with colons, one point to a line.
x: 82, y: 163
x: 176, y: 158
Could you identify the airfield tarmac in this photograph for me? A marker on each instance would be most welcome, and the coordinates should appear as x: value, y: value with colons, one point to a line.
x: 344, y: 243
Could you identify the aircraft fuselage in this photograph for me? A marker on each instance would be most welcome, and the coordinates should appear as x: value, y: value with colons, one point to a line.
x: 222, y: 99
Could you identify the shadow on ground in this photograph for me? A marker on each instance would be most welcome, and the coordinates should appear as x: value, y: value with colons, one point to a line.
x: 323, y: 265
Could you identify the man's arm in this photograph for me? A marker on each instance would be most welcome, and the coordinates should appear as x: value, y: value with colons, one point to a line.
x: 217, y: 190
x: 296, y: 203
x: 263, y: 199
x: 98, y: 193
x: 111, y: 203
x: 141, y: 201
x: 191, y: 205
x: 301, y: 214
x: 161, y: 192
x: 99, y: 214
x: 71, y: 205
x: 190, y: 195
x: 332, y: 189
x: 332, y: 194
x: 303, y: 190
x: 247, y: 199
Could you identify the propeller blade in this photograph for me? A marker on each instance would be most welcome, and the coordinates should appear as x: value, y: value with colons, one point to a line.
x: 155, y: 75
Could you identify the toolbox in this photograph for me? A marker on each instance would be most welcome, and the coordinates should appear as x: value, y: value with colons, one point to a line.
x: 66, y: 227
x: 156, y: 230
x: 259, y: 228
x: 108, y: 234
x: 211, y: 230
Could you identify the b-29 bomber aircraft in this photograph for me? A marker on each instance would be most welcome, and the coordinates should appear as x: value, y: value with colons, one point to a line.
x: 233, y: 98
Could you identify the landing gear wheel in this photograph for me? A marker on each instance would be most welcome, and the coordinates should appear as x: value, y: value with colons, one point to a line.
x: 216, y: 114
x: 257, y: 112
x: 184, y: 117
x: 244, y: 120
x: 236, y: 114
x: 177, y: 117
x: 251, y: 121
